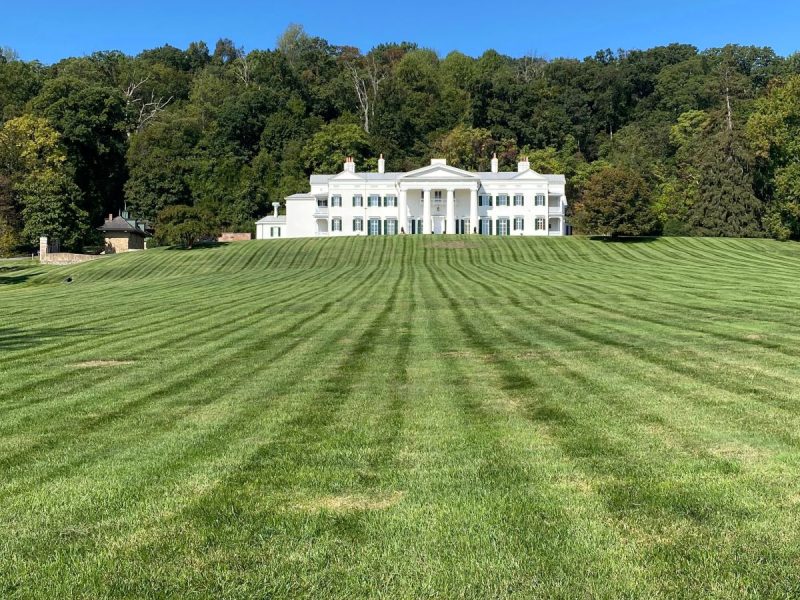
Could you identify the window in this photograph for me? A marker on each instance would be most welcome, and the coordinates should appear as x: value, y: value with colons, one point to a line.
x: 390, y: 227
x: 519, y: 223
x: 358, y: 224
x: 336, y: 201
x: 374, y: 227
x: 502, y: 227
x: 519, y: 200
x: 322, y: 202
x: 502, y: 200
x: 539, y: 224
x: 390, y: 200
x: 274, y: 232
x: 484, y: 200
x: 539, y: 200
x: 373, y: 200
x: 485, y: 227
x: 336, y: 224
x: 437, y: 195
x: 358, y: 200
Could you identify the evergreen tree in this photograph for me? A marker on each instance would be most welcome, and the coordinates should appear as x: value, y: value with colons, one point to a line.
x: 725, y: 204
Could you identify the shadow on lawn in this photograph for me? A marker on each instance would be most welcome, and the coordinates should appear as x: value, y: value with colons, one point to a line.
x: 200, y: 246
x: 12, y: 338
x: 14, y: 279
x: 623, y: 239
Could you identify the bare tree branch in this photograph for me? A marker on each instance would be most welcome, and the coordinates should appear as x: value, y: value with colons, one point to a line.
x: 530, y: 67
x: 242, y: 68
x: 366, y: 83
x: 148, y: 110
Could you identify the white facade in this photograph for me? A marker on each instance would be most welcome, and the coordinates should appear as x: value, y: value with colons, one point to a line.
x: 434, y: 199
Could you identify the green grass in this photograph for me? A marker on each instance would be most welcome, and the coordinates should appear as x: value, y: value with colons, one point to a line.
x: 394, y: 417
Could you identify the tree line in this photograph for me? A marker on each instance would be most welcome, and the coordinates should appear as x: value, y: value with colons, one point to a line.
x: 670, y: 140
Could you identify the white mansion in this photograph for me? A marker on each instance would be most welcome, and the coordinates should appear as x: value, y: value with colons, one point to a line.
x: 434, y: 199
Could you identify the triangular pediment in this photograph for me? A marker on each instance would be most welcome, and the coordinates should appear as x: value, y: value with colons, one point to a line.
x: 529, y: 175
x: 438, y: 172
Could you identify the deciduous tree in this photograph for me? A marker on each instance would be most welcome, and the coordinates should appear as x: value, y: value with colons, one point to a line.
x: 615, y: 202
x: 185, y: 226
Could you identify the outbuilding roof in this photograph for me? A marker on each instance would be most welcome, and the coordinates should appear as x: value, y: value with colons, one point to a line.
x: 120, y: 224
x: 272, y: 220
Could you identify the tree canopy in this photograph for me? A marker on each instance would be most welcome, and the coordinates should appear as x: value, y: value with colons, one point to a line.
x: 616, y: 202
x: 711, y: 135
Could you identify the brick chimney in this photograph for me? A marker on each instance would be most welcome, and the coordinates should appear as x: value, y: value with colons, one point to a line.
x: 523, y: 165
x: 381, y: 165
x: 495, y: 163
x: 349, y: 165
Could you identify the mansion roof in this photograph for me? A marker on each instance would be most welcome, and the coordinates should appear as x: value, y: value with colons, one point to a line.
x: 389, y: 177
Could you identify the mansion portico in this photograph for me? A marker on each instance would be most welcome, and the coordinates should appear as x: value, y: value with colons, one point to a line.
x: 434, y: 199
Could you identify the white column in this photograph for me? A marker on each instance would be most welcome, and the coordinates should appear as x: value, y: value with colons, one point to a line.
x: 451, y: 211
x: 402, y: 212
x: 426, y: 210
x: 473, y: 210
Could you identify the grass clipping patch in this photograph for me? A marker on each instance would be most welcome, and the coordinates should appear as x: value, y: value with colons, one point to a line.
x: 350, y: 503
x: 87, y: 364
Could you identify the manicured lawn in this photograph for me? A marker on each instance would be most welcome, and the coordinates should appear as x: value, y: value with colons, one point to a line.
x: 404, y: 417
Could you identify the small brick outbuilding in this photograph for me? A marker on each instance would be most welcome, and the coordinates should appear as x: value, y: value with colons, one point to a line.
x: 123, y: 234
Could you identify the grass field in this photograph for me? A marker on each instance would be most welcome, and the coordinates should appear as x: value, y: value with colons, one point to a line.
x: 404, y: 417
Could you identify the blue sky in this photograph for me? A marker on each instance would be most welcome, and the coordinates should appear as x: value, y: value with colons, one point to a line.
x: 48, y: 31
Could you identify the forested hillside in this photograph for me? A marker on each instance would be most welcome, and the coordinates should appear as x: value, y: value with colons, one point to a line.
x: 699, y: 143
